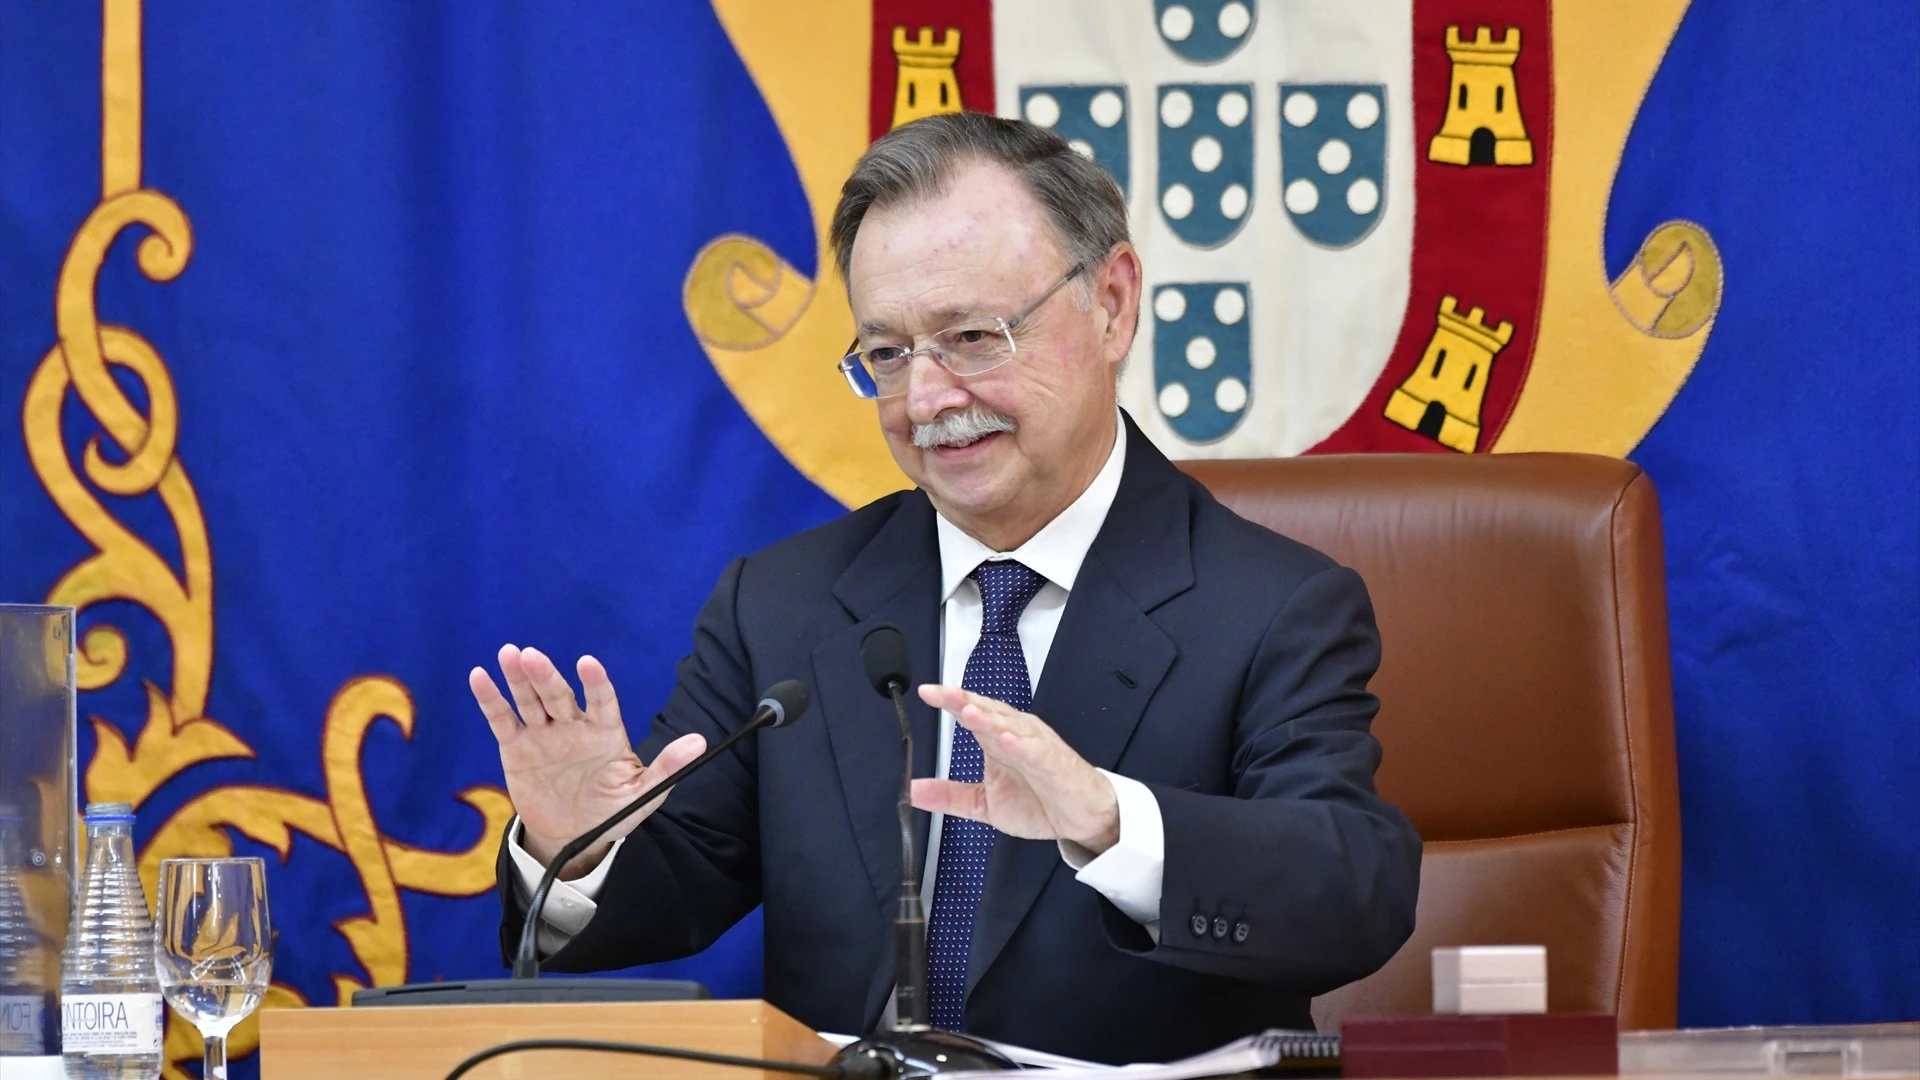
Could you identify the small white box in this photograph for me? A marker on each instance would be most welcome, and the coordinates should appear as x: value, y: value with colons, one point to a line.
x: 1479, y: 998
x: 1490, y: 979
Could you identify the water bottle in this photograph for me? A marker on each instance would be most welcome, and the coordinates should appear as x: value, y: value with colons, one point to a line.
x: 110, y: 1008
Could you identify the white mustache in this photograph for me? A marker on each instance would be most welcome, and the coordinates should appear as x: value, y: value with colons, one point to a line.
x: 962, y: 428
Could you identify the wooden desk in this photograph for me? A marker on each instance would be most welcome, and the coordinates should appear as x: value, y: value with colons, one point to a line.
x: 424, y: 1042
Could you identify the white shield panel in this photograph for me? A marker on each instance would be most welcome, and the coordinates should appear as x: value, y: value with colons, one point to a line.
x: 1327, y: 316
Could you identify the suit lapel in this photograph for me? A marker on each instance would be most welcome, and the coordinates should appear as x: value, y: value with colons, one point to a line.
x: 895, y: 579
x: 1106, y: 661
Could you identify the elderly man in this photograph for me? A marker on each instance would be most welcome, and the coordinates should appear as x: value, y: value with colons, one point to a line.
x: 1152, y: 825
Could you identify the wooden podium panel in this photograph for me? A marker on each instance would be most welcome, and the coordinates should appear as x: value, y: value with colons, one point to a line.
x: 424, y: 1042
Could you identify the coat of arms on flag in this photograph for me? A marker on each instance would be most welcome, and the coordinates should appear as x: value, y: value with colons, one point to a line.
x: 1365, y: 227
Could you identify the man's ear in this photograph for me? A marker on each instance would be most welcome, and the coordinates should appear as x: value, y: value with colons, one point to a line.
x: 1117, y: 292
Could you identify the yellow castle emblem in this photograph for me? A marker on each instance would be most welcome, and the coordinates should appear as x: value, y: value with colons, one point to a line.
x: 1441, y: 399
x: 926, y: 86
x: 1483, y: 124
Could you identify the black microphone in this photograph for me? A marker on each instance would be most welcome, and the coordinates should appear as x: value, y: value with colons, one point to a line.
x: 915, y: 1048
x: 884, y: 653
x: 783, y: 704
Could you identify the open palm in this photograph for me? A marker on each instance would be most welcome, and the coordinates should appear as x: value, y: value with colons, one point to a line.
x: 1032, y: 784
x: 567, y: 768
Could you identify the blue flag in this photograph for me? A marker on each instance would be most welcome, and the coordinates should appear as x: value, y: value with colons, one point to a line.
x: 341, y: 345
x: 1787, y: 479
x: 386, y: 365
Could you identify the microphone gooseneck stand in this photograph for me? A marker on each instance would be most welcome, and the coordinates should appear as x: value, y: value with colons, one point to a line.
x: 782, y: 706
x: 911, y: 1007
x: 914, y: 1048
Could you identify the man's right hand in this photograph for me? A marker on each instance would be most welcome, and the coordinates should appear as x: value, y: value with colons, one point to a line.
x: 568, y: 768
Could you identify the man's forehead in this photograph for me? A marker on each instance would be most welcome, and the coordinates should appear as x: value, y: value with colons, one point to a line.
x: 944, y: 293
x: 944, y: 255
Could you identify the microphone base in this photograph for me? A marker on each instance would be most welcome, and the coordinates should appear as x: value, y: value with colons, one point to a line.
x: 904, y: 1055
x: 530, y: 992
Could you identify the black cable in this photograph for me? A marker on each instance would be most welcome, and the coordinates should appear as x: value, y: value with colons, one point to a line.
x: 829, y: 1072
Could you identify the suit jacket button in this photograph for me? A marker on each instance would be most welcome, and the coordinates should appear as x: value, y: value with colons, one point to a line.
x: 1199, y: 926
x: 1220, y: 928
x: 1240, y: 932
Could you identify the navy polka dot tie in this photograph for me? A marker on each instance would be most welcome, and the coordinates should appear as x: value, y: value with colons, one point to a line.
x: 996, y: 669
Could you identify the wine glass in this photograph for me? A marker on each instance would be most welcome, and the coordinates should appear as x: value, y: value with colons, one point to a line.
x: 213, y: 944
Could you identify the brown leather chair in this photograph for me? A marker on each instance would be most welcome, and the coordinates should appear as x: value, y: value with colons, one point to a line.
x: 1526, y: 707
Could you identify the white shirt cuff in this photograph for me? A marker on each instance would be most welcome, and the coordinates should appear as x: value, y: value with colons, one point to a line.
x: 570, y: 904
x: 1131, y: 872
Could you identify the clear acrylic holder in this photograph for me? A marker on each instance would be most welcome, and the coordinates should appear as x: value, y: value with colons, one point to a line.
x: 39, y: 822
x: 1863, y: 1050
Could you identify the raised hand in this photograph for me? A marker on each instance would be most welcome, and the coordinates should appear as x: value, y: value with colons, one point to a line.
x: 568, y: 768
x: 1032, y: 783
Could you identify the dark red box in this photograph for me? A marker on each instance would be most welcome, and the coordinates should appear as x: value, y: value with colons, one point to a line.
x: 1550, y: 1044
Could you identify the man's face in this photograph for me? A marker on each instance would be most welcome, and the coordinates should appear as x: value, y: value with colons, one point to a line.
x: 983, y: 249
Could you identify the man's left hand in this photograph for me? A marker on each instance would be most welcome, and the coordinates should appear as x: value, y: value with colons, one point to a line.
x: 1033, y: 785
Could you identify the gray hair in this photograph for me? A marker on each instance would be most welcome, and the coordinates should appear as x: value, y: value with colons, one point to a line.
x: 915, y: 161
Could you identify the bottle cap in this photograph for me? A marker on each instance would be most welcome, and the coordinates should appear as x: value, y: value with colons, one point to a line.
x: 109, y: 813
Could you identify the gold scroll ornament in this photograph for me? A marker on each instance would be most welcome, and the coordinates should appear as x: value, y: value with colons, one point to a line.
x: 1599, y: 377
x: 176, y: 733
x: 772, y: 333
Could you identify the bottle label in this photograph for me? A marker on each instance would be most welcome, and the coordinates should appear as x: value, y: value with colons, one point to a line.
x: 20, y: 1024
x: 111, y: 1023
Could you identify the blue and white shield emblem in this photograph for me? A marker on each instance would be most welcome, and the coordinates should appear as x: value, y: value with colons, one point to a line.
x: 1206, y: 160
x: 1093, y: 120
x: 1204, y: 31
x: 1207, y: 85
x: 1202, y: 357
x: 1333, y: 159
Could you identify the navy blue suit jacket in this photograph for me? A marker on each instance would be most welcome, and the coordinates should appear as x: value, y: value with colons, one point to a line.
x: 1219, y: 663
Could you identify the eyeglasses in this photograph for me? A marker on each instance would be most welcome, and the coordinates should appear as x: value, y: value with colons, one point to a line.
x: 972, y: 348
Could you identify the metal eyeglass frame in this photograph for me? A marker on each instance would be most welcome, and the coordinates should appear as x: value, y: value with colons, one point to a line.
x: 851, y: 363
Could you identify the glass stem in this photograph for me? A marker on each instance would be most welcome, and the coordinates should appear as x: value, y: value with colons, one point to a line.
x: 214, y: 1065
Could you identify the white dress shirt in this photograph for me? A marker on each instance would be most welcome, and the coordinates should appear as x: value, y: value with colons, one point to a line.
x: 1129, y: 874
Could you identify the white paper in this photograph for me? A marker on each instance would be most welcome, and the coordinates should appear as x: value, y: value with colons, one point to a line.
x: 1242, y: 1056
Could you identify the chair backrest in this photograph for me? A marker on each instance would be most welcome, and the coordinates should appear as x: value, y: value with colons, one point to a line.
x: 1526, y: 706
